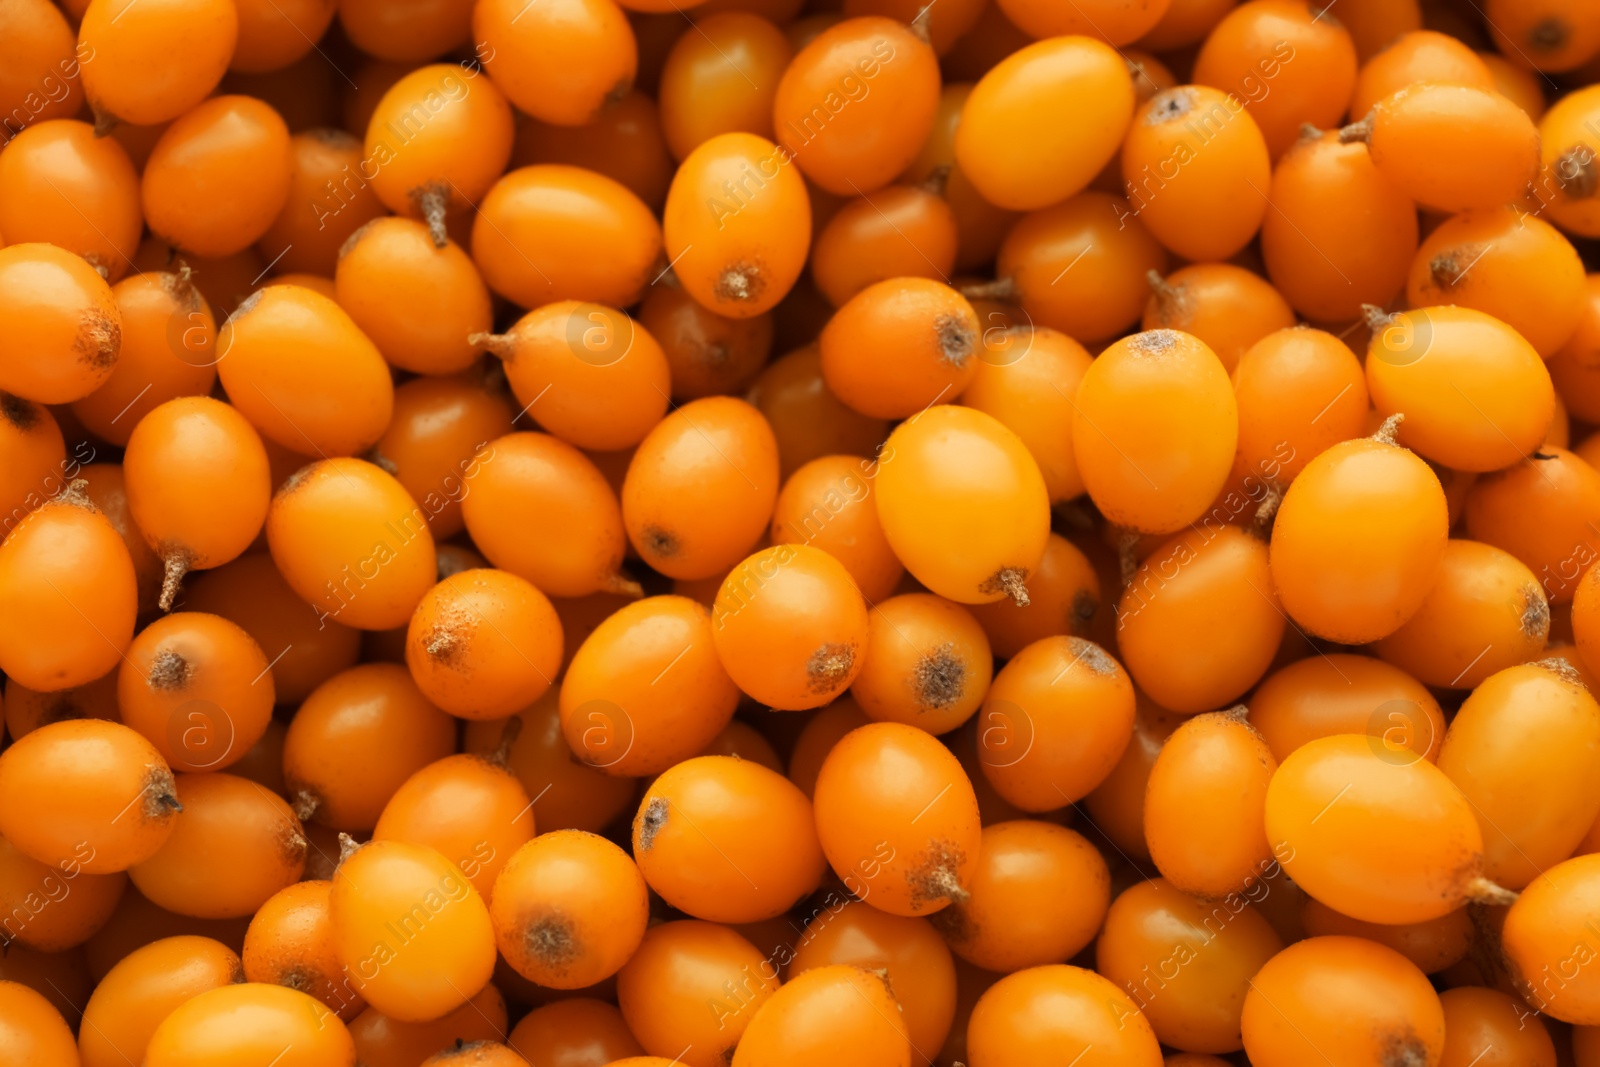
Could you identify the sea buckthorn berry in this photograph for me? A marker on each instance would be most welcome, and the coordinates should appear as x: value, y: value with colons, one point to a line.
x: 569, y: 909
x: 233, y: 845
x: 927, y: 663
x: 1540, y: 511
x: 53, y: 909
x: 1185, y: 961
x: 218, y: 176
x: 1546, y: 932
x: 1205, y: 805
x: 955, y: 474
x: 806, y: 418
x: 350, y: 542
x: 708, y: 355
x: 737, y: 224
x: 64, y: 786
x: 33, y: 456
x: 606, y: 377
x: 1400, y: 845
x: 1358, y: 539
x: 708, y: 821
x: 1525, y: 750
x: 356, y: 740
x: 410, y: 927
x: 199, y: 689
x: 39, y: 67
x: 1297, y: 1005
x: 328, y: 201
x: 168, y: 350
x: 573, y: 1030
x: 1553, y: 35
x: 434, y: 441
x: 198, y: 486
x: 290, y: 943
x: 1038, y: 894
x: 855, y: 105
x: 721, y: 79
x: 1166, y: 397
x: 476, y: 1054
x: 1490, y: 1026
x: 1417, y: 56
x: 62, y: 185
x: 303, y: 652
x: 700, y: 490
x: 1424, y: 362
x: 1288, y: 64
x: 61, y: 327
x: 1197, y: 172
x: 151, y: 65
x: 1081, y: 267
x: 145, y: 986
x: 1566, y: 186
x: 827, y: 504
x: 407, y: 36
x: 562, y: 63
x: 250, y: 1021
x: 1227, y: 307
x: 483, y: 643
x: 1022, y: 165
x: 898, y: 819
x: 900, y: 345
x: 1451, y: 147
x: 1342, y: 693
x: 1300, y: 391
x: 790, y: 627
x: 899, y: 231
x: 538, y: 507
x: 1508, y: 264
x: 817, y: 738
x: 296, y: 365
x: 437, y: 141
x: 537, y: 228
x: 646, y: 690
x: 681, y: 970
x: 34, y: 1033
x: 1055, y: 689
x: 1199, y: 622
x: 1030, y: 1017
x: 863, y: 1026
x: 68, y: 596
x: 272, y: 37
x: 1327, y: 264
x: 1485, y: 612
x: 417, y: 302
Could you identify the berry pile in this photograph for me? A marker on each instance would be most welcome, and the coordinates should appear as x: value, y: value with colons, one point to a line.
x: 799, y: 533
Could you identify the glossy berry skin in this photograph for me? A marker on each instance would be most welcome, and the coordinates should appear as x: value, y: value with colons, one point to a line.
x: 1027, y: 1018
x: 1358, y: 540
x: 956, y: 475
x: 1155, y: 430
x: 248, y: 1021
x: 869, y: 793
x: 62, y: 330
x: 1017, y: 165
x: 842, y: 1013
x: 410, y: 970
x: 1294, y: 1001
x: 157, y: 62
x: 737, y: 254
